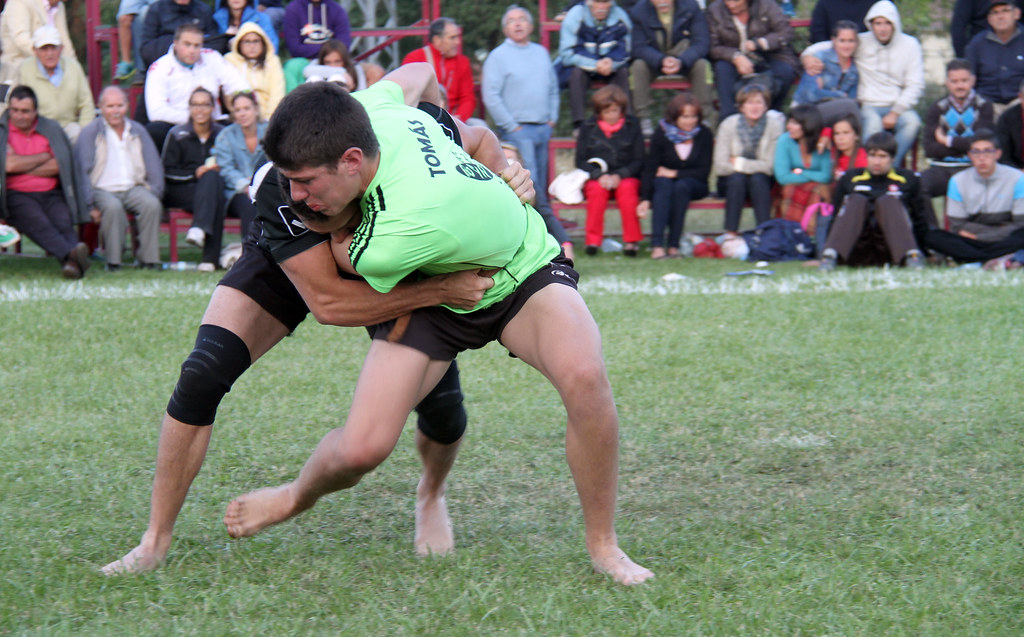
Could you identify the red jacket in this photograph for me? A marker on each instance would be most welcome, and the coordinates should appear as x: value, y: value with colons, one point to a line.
x: 455, y: 75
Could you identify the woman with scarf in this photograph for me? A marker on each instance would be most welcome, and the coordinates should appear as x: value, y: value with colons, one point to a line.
x: 610, y: 149
x: 744, y: 155
x: 675, y: 172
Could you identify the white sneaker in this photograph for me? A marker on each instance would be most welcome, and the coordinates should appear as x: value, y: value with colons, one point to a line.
x: 8, y: 236
x: 196, y: 237
x: 206, y: 266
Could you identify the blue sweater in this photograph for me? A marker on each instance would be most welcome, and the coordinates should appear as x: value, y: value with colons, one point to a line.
x: 519, y: 85
x: 788, y: 157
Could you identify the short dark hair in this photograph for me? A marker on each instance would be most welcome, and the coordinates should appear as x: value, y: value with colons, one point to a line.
x: 187, y: 27
x: 21, y: 92
x: 844, y: 25
x: 608, y: 95
x: 675, y: 106
x: 438, y: 26
x: 985, y: 135
x: 959, y: 64
x: 315, y: 124
x: 809, y: 118
x: 883, y: 141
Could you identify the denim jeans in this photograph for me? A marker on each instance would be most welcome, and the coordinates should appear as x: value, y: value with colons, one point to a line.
x: 907, y: 127
x: 532, y: 142
x: 669, y: 204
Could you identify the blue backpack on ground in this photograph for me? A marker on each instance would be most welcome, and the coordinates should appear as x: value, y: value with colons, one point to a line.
x: 779, y: 240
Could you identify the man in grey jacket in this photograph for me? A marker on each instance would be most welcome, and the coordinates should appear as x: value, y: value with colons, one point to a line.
x: 121, y: 175
x: 39, y: 182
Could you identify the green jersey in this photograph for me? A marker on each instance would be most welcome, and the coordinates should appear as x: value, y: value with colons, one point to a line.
x: 432, y: 209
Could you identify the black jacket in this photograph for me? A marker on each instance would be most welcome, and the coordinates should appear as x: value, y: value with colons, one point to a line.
x: 624, y: 150
x: 663, y: 153
x: 184, y: 152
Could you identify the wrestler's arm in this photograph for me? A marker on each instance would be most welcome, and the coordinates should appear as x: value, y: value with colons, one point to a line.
x: 348, y: 303
x: 418, y: 82
x: 483, y: 145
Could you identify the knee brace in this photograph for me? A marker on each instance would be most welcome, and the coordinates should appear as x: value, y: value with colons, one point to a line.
x: 440, y: 415
x: 217, y: 360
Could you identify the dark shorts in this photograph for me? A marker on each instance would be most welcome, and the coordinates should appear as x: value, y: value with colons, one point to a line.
x: 441, y: 334
x: 259, y: 277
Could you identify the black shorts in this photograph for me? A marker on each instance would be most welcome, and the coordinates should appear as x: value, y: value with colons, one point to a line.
x: 441, y: 333
x: 259, y: 277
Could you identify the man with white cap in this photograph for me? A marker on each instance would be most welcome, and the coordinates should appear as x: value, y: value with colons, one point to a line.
x: 59, y: 82
x: 19, y: 20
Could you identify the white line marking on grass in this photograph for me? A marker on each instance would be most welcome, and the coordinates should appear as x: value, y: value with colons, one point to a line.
x: 80, y: 290
x: 860, y: 280
x: 805, y: 441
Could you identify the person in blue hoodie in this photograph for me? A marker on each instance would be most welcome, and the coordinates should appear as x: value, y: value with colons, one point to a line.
x: 232, y: 14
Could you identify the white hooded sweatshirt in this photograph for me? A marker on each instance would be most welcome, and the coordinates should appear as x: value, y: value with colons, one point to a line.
x: 891, y: 75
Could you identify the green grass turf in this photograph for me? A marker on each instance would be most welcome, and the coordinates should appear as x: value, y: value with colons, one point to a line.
x: 800, y: 455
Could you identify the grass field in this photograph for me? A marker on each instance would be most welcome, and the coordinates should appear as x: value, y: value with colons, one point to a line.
x: 801, y: 455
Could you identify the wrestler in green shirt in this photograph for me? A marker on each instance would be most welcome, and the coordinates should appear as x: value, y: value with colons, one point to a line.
x: 469, y: 219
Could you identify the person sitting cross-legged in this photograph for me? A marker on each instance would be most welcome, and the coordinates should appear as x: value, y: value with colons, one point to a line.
x: 875, y: 206
x: 984, y: 206
x: 122, y: 175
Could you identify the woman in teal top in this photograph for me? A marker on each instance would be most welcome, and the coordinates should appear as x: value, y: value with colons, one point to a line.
x: 802, y: 168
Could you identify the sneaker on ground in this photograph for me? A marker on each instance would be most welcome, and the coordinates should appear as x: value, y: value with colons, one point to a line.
x: 8, y: 236
x: 206, y: 266
x: 196, y: 237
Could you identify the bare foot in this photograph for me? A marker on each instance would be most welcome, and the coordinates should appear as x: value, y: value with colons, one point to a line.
x: 251, y: 513
x: 614, y: 562
x: 138, y: 560
x: 433, y: 527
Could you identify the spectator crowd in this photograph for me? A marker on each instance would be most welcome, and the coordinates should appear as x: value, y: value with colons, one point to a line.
x: 821, y: 141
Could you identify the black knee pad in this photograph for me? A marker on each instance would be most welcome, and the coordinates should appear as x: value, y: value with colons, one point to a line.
x: 217, y: 360
x: 440, y: 415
